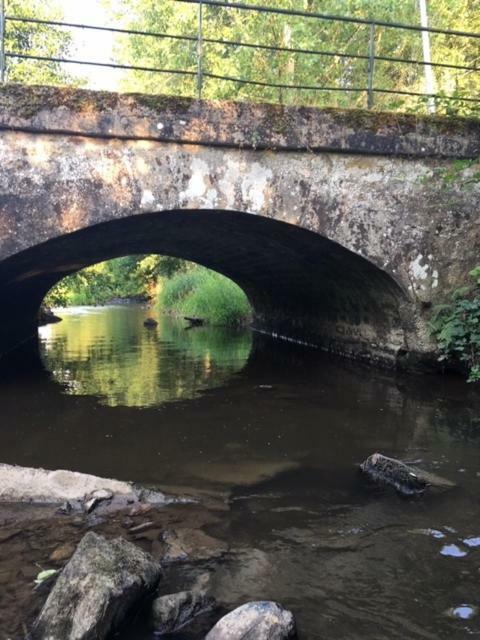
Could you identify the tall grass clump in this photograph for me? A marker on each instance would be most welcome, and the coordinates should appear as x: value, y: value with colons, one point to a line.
x: 201, y: 293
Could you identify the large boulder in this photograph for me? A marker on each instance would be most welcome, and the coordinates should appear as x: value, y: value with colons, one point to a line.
x: 255, y: 621
x: 95, y: 590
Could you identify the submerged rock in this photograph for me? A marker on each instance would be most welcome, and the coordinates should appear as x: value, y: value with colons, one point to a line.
x: 62, y: 552
x: 94, y: 591
x: 407, y: 479
x: 255, y: 621
x: 175, y: 611
x: 194, y: 544
x: 46, y: 316
x: 150, y: 323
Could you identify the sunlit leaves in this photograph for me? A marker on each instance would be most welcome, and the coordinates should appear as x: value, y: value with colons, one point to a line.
x: 297, y: 32
x: 457, y: 327
x: 35, y: 39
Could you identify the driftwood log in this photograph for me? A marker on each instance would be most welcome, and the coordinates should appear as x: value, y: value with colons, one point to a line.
x: 407, y: 479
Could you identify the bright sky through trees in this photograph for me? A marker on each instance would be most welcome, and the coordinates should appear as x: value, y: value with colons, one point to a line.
x: 87, y: 44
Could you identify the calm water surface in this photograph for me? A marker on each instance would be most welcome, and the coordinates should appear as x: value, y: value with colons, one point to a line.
x: 277, y: 430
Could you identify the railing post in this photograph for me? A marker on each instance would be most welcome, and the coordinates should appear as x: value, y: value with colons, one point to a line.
x: 200, y: 51
x: 2, y: 41
x: 371, y: 65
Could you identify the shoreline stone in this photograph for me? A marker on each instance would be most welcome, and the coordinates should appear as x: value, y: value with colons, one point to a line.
x: 72, y: 489
x: 95, y: 589
x: 262, y: 620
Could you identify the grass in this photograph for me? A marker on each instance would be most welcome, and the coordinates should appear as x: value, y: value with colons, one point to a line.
x: 201, y: 293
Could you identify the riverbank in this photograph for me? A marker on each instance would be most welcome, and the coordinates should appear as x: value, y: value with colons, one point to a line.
x: 39, y: 534
x: 201, y: 293
x: 35, y: 538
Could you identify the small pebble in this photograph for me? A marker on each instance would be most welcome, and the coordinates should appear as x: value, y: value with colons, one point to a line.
x: 140, y: 509
x: 127, y: 522
x: 64, y: 508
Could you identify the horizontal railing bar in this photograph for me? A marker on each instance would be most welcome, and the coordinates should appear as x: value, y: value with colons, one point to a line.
x: 278, y: 85
x: 335, y: 18
x: 233, y: 43
x: 344, y: 89
x: 215, y: 76
x: 111, y: 65
x: 79, y: 25
x: 427, y: 95
x: 353, y: 56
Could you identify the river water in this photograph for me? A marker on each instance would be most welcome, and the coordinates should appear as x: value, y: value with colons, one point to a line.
x: 274, y: 432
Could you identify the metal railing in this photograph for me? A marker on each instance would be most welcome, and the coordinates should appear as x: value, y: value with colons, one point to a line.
x: 201, y: 41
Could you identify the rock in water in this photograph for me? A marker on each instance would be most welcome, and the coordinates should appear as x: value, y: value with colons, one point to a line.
x: 71, y: 489
x: 94, y: 498
x: 174, y: 611
x: 255, y: 621
x: 150, y: 323
x: 95, y: 590
x: 407, y: 480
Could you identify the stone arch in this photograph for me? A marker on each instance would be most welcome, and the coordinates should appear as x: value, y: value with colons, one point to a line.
x: 302, y: 285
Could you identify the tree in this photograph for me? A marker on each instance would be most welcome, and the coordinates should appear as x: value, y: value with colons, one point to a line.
x: 35, y: 39
x: 299, y: 32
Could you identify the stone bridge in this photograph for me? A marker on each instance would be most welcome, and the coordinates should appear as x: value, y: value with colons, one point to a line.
x: 342, y: 227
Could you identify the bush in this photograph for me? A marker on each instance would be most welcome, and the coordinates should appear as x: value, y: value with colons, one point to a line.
x: 202, y: 293
x: 457, y: 327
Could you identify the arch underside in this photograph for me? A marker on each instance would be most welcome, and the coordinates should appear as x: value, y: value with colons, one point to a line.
x: 301, y: 285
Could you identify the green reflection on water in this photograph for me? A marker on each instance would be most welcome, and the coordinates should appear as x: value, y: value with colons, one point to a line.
x: 107, y: 352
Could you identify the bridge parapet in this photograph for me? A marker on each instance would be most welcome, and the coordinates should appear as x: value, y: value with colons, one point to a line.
x: 235, y: 124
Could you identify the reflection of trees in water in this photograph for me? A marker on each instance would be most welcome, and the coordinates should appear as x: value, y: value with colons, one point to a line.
x: 110, y: 354
x: 460, y: 423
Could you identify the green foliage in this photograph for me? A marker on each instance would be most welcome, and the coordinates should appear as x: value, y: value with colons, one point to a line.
x: 293, y: 68
x: 457, y: 327
x: 206, y: 294
x: 35, y: 39
x: 186, y: 288
x: 128, y: 277
x: 463, y: 174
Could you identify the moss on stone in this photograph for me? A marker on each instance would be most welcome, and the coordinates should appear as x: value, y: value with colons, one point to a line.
x: 263, y: 124
x: 27, y: 101
x: 161, y: 103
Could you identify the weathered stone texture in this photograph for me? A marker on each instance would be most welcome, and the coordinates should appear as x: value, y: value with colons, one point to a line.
x: 353, y: 233
x: 95, y: 590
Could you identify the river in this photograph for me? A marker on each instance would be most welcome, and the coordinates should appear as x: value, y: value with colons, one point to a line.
x: 274, y: 432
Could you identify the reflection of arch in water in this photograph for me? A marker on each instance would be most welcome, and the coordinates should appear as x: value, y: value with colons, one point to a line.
x: 301, y: 285
x: 113, y: 357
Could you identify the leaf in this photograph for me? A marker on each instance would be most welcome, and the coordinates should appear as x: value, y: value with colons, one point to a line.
x: 45, y: 575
